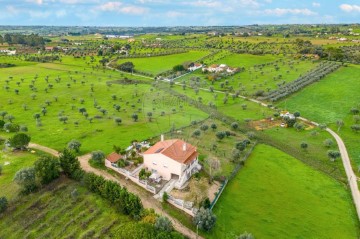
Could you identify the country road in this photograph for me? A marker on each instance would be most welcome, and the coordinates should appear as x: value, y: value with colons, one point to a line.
x: 352, y: 179
x: 147, y: 199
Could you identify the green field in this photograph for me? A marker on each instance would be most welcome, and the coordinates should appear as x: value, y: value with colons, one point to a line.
x: 74, y: 92
x: 276, y: 196
x: 15, y: 162
x: 156, y: 65
x: 329, y: 100
x: 260, y: 73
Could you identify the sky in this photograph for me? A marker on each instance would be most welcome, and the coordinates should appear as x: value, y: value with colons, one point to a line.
x: 137, y: 13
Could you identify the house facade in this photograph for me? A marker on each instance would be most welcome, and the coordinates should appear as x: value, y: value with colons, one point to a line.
x: 172, y: 160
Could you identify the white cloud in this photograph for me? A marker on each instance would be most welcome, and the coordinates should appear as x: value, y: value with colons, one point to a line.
x: 39, y: 14
x: 205, y: 3
x: 248, y: 3
x: 350, y: 8
x: 268, y: 1
x: 285, y: 11
x: 316, y: 4
x: 174, y: 14
x: 121, y: 8
x: 39, y: 2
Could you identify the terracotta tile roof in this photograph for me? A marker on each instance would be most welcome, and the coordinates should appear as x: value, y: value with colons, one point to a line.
x: 114, y: 157
x: 174, y: 149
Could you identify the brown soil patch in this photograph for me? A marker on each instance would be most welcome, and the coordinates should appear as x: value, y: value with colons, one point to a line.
x: 265, y: 124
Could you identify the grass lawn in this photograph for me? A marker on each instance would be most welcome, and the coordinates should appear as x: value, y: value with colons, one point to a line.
x: 276, y: 196
x: 156, y: 65
x: 329, y: 100
x: 15, y: 162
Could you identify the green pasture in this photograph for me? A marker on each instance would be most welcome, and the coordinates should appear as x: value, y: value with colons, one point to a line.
x: 102, y: 133
x: 14, y: 162
x: 330, y: 100
x: 156, y: 65
x: 276, y: 196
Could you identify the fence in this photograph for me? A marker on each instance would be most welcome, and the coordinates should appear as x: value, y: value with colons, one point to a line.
x: 182, y: 205
x: 218, y: 194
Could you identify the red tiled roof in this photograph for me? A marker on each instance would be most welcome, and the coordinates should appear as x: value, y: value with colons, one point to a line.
x: 114, y: 157
x: 174, y: 149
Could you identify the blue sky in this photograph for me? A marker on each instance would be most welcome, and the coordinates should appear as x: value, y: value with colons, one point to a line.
x: 176, y: 12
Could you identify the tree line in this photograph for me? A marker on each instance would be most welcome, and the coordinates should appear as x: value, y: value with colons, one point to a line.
x: 33, y: 40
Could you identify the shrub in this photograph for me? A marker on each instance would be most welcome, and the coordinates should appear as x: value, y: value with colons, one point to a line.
x: 25, y: 178
x: 47, y: 169
x: 20, y: 141
x: 205, y: 219
x: 74, y: 145
x: 3, y: 204
x: 163, y: 224
x: 98, y: 156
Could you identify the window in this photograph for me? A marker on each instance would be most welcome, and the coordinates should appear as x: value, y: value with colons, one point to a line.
x: 154, y: 163
x: 165, y: 166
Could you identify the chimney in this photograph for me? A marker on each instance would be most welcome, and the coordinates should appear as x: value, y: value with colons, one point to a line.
x: 184, y: 147
x: 162, y: 138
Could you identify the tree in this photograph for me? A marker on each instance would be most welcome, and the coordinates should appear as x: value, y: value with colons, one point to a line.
x: 304, y: 145
x: 74, y: 145
x: 163, y: 224
x: 204, y: 127
x: 3, y: 204
x: 20, y: 141
x: 135, y: 117
x: 299, y: 126
x: 149, y: 115
x: 213, y: 126
x: 178, y: 68
x: 3, y: 114
x: 297, y: 114
x: 234, y: 125
x: 245, y: 235
x: 196, y: 133
x: 63, y: 119
x: 355, y: 127
x: 214, y: 165
x: 205, y: 219
x: 339, y: 123
x: 70, y: 164
x: 98, y: 156
x: 126, y: 66
x: 220, y: 135
x: 25, y: 178
x: 47, y: 169
x: 118, y: 120
x: 328, y: 143
x: 333, y: 155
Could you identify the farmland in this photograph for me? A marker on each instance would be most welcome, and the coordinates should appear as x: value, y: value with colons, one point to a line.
x: 93, y: 94
x: 339, y: 91
x: 156, y: 65
x: 282, y: 181
x: 292, y: 201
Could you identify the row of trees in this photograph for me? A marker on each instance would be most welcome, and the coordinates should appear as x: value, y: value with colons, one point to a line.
x: 29, y: 40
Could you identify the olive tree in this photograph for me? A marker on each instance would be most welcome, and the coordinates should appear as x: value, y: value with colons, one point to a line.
x: 205, y: 219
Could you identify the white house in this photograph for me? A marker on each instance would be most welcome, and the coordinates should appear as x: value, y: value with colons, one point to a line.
x: 195, y: 66
x: 172, y: 160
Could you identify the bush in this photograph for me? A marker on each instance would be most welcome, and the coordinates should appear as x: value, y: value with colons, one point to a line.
x: 70, y: 165
x: 47, y: 169
x: 98, y: 156
x: 163, y: 224
x: 74, y: 145
x: 3, y: 204
x: 143, y: 174
x: 20, y: 141
x: 25, y: 178
x: 205, y: 219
